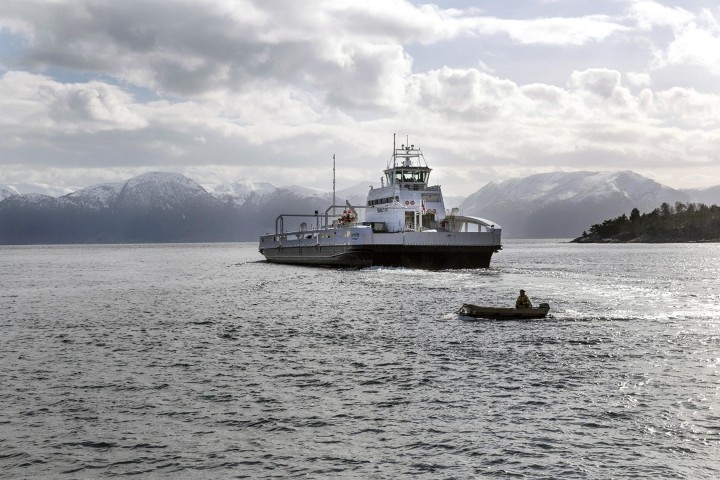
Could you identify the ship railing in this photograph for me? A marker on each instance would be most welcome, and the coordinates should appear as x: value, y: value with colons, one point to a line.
x: 327, y: 224
x: 465, y: 223
x: 280, y: 221
x: 317, y: 216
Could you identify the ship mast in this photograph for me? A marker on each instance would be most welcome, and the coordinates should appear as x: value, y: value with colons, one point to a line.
x: 394, y: 150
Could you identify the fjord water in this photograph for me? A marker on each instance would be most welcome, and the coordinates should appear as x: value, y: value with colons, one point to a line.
x: 203, y: 361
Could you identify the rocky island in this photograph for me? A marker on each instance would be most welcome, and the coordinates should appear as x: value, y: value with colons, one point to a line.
x: 691, y: 222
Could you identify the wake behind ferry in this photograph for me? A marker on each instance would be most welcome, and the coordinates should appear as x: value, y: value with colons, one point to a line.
x: 403, y: 224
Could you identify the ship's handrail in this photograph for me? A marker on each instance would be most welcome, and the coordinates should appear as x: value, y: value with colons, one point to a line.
x: 457, y: 223
x: 352, y: 207
x: 466, y: 219
x: 280, y: 224
x: 408, y: 153
x: 279, y: 219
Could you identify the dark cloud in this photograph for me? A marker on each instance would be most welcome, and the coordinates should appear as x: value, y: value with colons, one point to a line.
x: 196, y: 48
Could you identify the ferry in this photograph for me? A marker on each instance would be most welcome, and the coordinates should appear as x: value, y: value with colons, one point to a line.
x: 403, y: 224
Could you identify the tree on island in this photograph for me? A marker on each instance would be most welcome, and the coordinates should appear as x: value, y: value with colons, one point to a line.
x: 691, y: 222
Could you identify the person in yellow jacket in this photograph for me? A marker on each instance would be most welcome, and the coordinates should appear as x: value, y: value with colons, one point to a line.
x: 523, y: 301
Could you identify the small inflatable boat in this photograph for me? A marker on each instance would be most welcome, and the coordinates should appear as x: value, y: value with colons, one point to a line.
x: 502, y: 313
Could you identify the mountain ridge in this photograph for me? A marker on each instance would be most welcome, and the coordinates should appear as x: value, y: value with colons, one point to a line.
x: 169, y: 207
x: 560, y: 204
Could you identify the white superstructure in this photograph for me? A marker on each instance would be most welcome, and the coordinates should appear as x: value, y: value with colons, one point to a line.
x: 404, y: 223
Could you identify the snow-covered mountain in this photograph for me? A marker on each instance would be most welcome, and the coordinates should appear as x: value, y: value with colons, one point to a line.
x: 260, y: 211
x: 249, y: 191
x: 154, y: 190
x: 41, y: 188
x: 356, y: 195
x: 573, y: 187
x: 153, y: 207
x: 239, y: 191
x: 7, y: 191
x: 708, y: 196
x: 304, y: 191
x: 564, y: 204
x: 452, y: 201
x: 160, y: 190
x: 96, y: 196
x: 31, y: 200
x: 168, y: 207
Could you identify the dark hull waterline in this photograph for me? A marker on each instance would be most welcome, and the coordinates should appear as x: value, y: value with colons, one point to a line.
x: 407, y: 256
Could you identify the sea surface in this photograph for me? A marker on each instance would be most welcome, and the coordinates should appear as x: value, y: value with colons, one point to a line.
x: 204, y: 361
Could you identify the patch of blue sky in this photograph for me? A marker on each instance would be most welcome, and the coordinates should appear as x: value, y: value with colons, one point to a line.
x: 11, y: 48
x: 140, y: 94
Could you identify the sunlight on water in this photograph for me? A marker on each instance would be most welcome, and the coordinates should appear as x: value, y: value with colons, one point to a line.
x: 169, y: 361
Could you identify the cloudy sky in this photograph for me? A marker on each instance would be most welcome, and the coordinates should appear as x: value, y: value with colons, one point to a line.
x: 95, y: 91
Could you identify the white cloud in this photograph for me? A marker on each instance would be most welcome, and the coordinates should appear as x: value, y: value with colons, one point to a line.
x: 351, y: 56
x: 469, y: 94
x: 650, y: 14
x: 31, y: 101
x: 599, y: 81
x: 269, y: 89
x: 94, y: 106
x: 689, y: 108
x: 695, y: 35
x: 191, y: 48
x: 554, y: 31
x: 639, y: 79
x: 601, y: 89
x: 695, y: 46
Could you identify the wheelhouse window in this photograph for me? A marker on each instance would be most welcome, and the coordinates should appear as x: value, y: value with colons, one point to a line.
x: 380, y: 201
x: 409, y: 175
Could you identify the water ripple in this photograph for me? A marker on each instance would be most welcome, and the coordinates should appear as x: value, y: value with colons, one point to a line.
x: 198, y: 361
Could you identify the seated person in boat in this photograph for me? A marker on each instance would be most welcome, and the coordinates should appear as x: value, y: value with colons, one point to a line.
x: 523, y: 301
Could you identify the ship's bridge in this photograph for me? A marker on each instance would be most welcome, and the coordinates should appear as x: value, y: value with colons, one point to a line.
x: 405, y: 201
x: 407, y: 170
